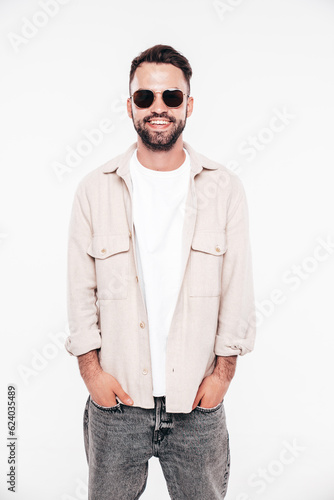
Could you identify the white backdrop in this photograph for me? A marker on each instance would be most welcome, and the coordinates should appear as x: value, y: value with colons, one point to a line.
x: 263, y: 88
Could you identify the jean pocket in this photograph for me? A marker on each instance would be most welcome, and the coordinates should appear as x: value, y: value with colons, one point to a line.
x: 106, y: 408
x: 86, y: 411
x: 210, y: 410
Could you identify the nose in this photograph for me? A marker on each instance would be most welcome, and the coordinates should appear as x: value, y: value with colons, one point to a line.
x: 158, y: 105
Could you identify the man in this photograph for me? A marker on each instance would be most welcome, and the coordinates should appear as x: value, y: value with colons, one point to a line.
x: 160, y: 297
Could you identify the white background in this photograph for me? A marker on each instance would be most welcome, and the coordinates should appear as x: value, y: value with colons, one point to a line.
x: 251, y: 60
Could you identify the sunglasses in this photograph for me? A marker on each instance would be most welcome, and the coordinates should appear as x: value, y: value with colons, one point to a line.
x: 173, y: 98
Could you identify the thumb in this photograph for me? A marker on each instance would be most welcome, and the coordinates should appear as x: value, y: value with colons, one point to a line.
x: 197, y: 400
x: 123, y: 396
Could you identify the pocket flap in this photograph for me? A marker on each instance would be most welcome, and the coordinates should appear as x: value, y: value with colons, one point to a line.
x: 213, y: 242
x: 103, y: 246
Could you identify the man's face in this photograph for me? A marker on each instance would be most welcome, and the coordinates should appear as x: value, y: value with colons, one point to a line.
x: 159, y: 77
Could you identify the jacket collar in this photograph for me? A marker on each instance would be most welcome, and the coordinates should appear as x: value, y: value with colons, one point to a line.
x: 121, y: 162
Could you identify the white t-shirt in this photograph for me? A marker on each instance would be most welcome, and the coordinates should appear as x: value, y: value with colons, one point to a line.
x: 159, y: 200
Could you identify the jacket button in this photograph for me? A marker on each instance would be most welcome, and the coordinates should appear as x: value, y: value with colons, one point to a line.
x: 130, y: 234
x: 103, y: 250
x: 142, y: 324
x: 217, y: 248
x: 145, y: 371
x: 137, y: 279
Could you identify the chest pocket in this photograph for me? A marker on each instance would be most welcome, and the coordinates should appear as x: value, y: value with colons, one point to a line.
x: 206, y: 261
x: 111, y: 253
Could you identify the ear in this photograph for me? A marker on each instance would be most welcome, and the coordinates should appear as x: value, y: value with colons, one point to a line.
x: 190, y: 106
x: 129, y: 107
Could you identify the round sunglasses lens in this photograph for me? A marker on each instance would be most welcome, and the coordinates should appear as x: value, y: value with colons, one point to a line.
x: 173, y: 98
x: 143, y: 98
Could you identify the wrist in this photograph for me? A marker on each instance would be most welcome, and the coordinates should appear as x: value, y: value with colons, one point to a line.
x: 89, y: 366
x: 91, y: 375
x: 225, y: 367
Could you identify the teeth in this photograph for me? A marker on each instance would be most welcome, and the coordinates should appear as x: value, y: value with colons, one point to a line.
x: 159, y: 122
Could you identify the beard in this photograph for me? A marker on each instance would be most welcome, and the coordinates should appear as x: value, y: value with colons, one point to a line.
x: 156, y: 140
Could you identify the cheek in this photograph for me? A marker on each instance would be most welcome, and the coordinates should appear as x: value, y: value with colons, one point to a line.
x: 182, y: 115
x: 139, y: 115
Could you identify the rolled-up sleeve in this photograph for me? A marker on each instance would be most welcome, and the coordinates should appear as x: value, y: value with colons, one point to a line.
x: 82, y: 308
x: 237, y: 320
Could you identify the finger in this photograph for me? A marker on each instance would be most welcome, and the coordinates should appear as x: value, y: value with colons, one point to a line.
x: 197, y: 400
x: 123, y: 396
x: 114, y: 403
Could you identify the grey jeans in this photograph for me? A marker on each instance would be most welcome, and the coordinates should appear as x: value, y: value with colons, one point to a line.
x: 193, y: 450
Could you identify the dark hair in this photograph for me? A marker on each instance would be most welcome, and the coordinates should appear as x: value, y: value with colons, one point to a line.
x: 163, y: 54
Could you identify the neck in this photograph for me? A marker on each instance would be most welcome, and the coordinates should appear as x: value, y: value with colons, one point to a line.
x: 161, y: 160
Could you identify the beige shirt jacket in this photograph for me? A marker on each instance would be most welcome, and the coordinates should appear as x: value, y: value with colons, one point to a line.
x: 215, y: 309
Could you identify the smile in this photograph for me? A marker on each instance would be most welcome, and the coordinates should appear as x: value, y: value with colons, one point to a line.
x: 159, y: 122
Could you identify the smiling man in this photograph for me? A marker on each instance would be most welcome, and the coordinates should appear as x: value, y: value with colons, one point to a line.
x: 160, y: 297
x: 161, y: 130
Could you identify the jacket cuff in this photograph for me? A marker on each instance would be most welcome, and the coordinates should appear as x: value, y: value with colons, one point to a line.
x: 77, y: 345
x: 225, y: 346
